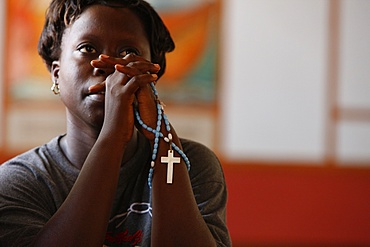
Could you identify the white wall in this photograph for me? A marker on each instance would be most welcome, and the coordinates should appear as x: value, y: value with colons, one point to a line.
x: 274, y: 75
x: 354, y: 78
x: 274, y: 71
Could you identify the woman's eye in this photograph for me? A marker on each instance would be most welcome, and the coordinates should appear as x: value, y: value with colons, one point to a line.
x: 128, y: 51
x: 87, y: 49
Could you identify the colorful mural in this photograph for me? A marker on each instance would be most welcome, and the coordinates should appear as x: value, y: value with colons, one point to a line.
x: 27, y: 76
x: 190, y: 78
x: 191, y: 71
x: 192, y: 67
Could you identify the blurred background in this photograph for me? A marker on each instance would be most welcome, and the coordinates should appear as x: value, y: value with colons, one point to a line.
x: 279, y: 89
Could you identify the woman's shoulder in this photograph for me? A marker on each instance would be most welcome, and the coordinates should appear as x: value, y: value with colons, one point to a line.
x: 196, y: 148
x: 38, y: 170
x: 33, y: 154
x: 204, y: 164
x: 33, y: 162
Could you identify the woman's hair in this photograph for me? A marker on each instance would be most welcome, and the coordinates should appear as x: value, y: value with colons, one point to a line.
x: 62, y: 13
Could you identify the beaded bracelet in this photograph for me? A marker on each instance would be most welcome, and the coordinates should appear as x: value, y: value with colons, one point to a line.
x: 170, y: 159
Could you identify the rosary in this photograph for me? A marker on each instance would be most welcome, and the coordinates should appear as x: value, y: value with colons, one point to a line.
x: 170, y: 160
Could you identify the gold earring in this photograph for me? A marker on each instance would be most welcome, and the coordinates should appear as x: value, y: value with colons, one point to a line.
x: 55, y: 88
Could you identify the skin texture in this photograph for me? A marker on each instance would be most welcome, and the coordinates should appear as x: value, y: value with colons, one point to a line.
x: 106, y: 50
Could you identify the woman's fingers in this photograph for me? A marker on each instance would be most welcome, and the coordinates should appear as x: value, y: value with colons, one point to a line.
x: 97, y: 87
x: 132, y: 71
x: 140, y: 81
x: 105, y: 61
x: 130, y: 60
x: 135, y: 76
x: 131, y: 65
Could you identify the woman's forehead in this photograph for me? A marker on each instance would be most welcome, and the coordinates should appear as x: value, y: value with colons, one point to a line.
x: 98, y: 22
x: 100, y: 15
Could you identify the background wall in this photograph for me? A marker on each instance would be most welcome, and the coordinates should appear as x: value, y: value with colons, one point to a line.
x: 274, y: 81
x: 293, y: 121
x: 287, y: 65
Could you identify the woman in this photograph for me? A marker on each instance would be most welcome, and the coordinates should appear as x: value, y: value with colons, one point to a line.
x: 108, y: 180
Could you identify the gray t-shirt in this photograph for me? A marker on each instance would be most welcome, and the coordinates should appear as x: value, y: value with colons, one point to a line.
x: 34, y: 184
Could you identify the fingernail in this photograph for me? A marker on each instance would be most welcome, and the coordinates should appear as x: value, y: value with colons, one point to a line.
x: 118, y: 66
x: 91, y: 88
x: 103, y: 56
x: 157, y: 66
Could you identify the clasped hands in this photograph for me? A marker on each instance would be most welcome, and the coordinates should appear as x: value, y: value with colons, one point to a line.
x: 128, y: 83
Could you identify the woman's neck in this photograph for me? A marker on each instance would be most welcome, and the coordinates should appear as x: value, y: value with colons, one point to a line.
x: 77, y: 145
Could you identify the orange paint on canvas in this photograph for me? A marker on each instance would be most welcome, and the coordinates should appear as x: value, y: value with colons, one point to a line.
x: 189, y: 29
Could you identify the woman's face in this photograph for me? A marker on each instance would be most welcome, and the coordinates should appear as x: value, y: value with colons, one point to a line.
x: 98, y: 30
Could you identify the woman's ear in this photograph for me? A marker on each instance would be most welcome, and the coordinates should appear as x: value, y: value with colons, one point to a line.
x: 55, y: 71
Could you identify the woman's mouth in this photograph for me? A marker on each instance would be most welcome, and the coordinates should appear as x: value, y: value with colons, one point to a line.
x: 97, y: 96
